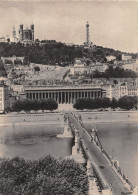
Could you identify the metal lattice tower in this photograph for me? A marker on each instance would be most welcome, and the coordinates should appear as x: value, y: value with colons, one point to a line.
x: 87, y: 34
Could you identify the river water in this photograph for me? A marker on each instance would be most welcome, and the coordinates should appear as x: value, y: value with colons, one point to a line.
x: 33, y: 136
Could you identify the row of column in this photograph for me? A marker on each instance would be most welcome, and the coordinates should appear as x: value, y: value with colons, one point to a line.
x: 66, y: 97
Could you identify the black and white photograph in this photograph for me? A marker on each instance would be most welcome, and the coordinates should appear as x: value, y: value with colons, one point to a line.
x: 68, y: 97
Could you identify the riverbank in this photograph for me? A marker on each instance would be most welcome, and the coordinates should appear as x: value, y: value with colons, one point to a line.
x: 23, y: 119
x: 109, y: 117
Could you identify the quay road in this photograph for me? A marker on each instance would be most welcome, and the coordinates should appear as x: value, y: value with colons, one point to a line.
x: 107, y: 172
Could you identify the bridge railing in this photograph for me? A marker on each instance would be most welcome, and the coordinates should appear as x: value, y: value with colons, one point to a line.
x: 115, y: 165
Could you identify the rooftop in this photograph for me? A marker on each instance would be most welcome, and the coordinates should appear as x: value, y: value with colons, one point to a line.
x: 28, y: 88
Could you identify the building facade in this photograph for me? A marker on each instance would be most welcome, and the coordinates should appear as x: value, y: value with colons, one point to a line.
x: 3, y: 40
x: 4, y: 98
x: 110, y: 58
x: 109, y: 91
x: 14, y: 37
x: 123, y: 91
x: 132, y: 90
x: 126, y: 57
x: 26, y: 35
x: 63, y: 94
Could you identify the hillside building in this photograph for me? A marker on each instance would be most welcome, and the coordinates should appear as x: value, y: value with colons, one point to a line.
x: 12, y: 59
x: 121, y: 89
x: 4, y: 39
x: 126, y: 57
x: 26, y: 36
x: 132, y: 90
x: 110, y: 58
x: 14, y: 38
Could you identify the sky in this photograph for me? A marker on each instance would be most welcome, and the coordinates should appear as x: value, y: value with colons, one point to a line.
x: 112, y: 24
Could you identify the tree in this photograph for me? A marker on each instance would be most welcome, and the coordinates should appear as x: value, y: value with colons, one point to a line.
x: 26, y: 105
x: 114, y: 103
x: 51, y: 104
x: 35, y: 105
x: 44, y: 176
x: 115, y: 82
x: 89, y: 103
x: 36, y: 68
x: 80, y: 104
x: 17, y: 106
x: 105, y: 102
x: 3, y: 72
x: 126, y: 102
x: 43, y: 105
x: 119, y: 57
x: 136, y: 102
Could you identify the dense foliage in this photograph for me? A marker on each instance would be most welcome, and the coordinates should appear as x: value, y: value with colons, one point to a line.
x: 46, y: 176
x: 2, y: 70
x: 49, y: 53
x: 125, y: 102
x: 52, y: 52
x: 28, y: 105
x: 91, y: 103
x: 36, y: 68
x: 114, y: 73
x: 128, y: 102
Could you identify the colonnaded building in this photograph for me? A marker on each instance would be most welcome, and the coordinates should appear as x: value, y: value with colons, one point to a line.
x: 63, y: 94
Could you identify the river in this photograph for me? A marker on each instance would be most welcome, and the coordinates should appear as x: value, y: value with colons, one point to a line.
x: 33, y: 136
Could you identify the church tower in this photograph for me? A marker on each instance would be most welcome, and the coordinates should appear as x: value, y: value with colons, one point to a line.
x: 32, y: 30
x: 13, y: 32
x: 21, y: 32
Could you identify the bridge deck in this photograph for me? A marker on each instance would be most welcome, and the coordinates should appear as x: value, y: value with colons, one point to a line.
x: 107, y: 172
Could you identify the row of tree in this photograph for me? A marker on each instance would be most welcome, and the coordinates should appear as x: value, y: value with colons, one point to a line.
x: 28, y: 105
x: 46, y: 176
x: 125, y: 102
x: 114, y: 73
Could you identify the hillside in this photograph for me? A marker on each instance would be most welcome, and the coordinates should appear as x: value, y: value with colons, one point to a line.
x: 52, y: 52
